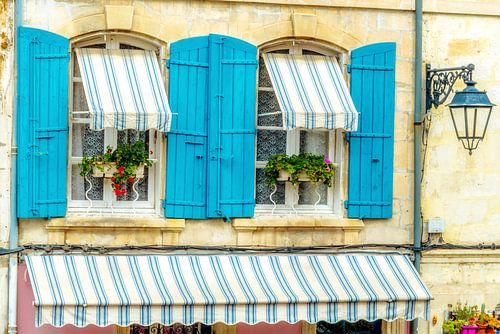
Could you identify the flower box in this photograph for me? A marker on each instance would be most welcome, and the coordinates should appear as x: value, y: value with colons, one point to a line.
x: 285, y: 176
x: 107, y: 170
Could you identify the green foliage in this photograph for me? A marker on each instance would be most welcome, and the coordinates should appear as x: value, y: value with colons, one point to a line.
x: 464, y: 312
x: 453, y: 326
x: 317, y: 167
x: 126, y: 158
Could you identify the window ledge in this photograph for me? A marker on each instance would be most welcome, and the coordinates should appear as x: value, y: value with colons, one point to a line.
x: 303, y: 222
x: 88, y: 229
x: 115, y: 223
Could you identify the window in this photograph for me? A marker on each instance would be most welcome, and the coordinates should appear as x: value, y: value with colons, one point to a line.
x: 273, y: 139
x: 89, y: 194
x: 343, y: 327
x: 196, y: 328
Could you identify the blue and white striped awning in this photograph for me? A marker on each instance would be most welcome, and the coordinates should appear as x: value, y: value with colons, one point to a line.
x: 311, y: 92
x: 124, y: 89
x: 104, y: 290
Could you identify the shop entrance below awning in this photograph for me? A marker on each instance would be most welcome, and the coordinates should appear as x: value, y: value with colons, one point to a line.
x: 124, y: 290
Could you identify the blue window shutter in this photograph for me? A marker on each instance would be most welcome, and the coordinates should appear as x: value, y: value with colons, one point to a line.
x: 42, y: 124
x: 371, y: 148
x: 231, y: 132
x: 186, y: 195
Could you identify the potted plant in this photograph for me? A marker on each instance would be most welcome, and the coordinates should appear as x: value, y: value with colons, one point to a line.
x: 301, y: 167
x: 461, y: 320
x: 454, y: 326
x: 124, y: 164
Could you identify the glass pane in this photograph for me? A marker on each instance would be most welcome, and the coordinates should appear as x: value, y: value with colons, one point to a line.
x: 308, y: 193
x: 79, y: 186
x: 76, y: 67
x: 264, y: 80
x: 79, y: 98
x: 86, y: 142
x: 141, y: 187
x: 268, y: 103
x: 263, y: 190
x: 315, y: 142
x: 131, y: 136
x: 129, y: 47
x: 270, y: 142
x: 311, y: 52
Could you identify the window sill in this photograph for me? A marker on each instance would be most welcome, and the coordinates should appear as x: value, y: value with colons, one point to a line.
x: 114, y: 230
x: 248, y: 228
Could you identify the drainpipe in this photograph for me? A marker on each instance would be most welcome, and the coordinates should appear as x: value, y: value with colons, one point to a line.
x: 417, y: 147
x: 13, y: 236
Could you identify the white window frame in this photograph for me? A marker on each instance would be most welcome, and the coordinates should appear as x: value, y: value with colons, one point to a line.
x: 109, y: 205
x: 336, y: 142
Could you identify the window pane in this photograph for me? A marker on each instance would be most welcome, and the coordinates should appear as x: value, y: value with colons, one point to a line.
x: 76, y: 67
x: 129, y: 47
x: 86, y: 142
x: 263, y: 190
x: 141, y: 187
x: 264, y: 79
x: 131, y: 136
x: 308, y: 194
x: 270, y: 142
x: 79, y: 186
x: 267, y: 103
x: 311, y: 52
x: 79, y: 99
x: 315, y: 142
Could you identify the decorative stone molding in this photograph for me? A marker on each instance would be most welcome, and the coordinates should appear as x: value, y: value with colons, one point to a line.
x: 119, y: 17
x: 304, y: 24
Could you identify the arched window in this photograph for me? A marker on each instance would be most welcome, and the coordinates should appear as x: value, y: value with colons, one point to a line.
x: 273, y: 139
x: 85, y: 142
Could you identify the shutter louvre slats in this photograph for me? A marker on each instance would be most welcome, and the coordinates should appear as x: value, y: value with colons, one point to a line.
x: 371, y: 148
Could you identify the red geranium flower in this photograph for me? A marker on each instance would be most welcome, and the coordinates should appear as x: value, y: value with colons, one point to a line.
x: 131, y: 179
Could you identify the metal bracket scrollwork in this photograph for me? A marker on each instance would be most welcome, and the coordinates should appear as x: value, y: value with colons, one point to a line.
x: 439, y: 83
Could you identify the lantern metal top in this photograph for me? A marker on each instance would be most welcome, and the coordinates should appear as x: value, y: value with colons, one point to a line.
x: 470, y: 97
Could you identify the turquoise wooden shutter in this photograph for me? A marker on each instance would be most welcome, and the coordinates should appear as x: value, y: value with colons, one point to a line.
x: 232, y: 104
x: 186, y: 183
x: 371, y: 148
x: 42, y: 123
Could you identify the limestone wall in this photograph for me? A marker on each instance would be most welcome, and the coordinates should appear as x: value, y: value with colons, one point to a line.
x: 462, y: 189
x: 6, y: 100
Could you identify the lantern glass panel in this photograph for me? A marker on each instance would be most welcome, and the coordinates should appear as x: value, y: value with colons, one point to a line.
x: 458, y: 117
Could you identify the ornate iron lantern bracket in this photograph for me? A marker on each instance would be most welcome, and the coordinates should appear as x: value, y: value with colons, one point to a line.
x: 439, y: 83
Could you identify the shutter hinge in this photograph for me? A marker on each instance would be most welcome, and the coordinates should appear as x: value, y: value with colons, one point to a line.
x: 167, y: 63
x: 163, y: 204
x: 349, y: 68
x: 348, y: 137
x: 346, y: 204
x: 221, y: 214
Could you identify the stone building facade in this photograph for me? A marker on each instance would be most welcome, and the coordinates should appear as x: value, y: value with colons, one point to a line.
x: 461, y: 189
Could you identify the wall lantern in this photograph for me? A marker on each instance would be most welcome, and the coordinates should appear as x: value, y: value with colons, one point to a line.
x: 470, y: 109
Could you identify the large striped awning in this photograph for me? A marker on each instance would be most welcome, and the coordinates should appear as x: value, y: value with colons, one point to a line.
x: 124, y: 89
x: 104, y: 290
x: 311, y: 92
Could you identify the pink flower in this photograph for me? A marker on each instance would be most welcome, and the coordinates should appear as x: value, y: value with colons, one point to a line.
x: 327, y: 168
x: 326, y: 160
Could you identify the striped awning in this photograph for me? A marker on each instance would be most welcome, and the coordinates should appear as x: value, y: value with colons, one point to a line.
x: 104, y: 290
x: 124, y: 89
x: 311, y: 92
